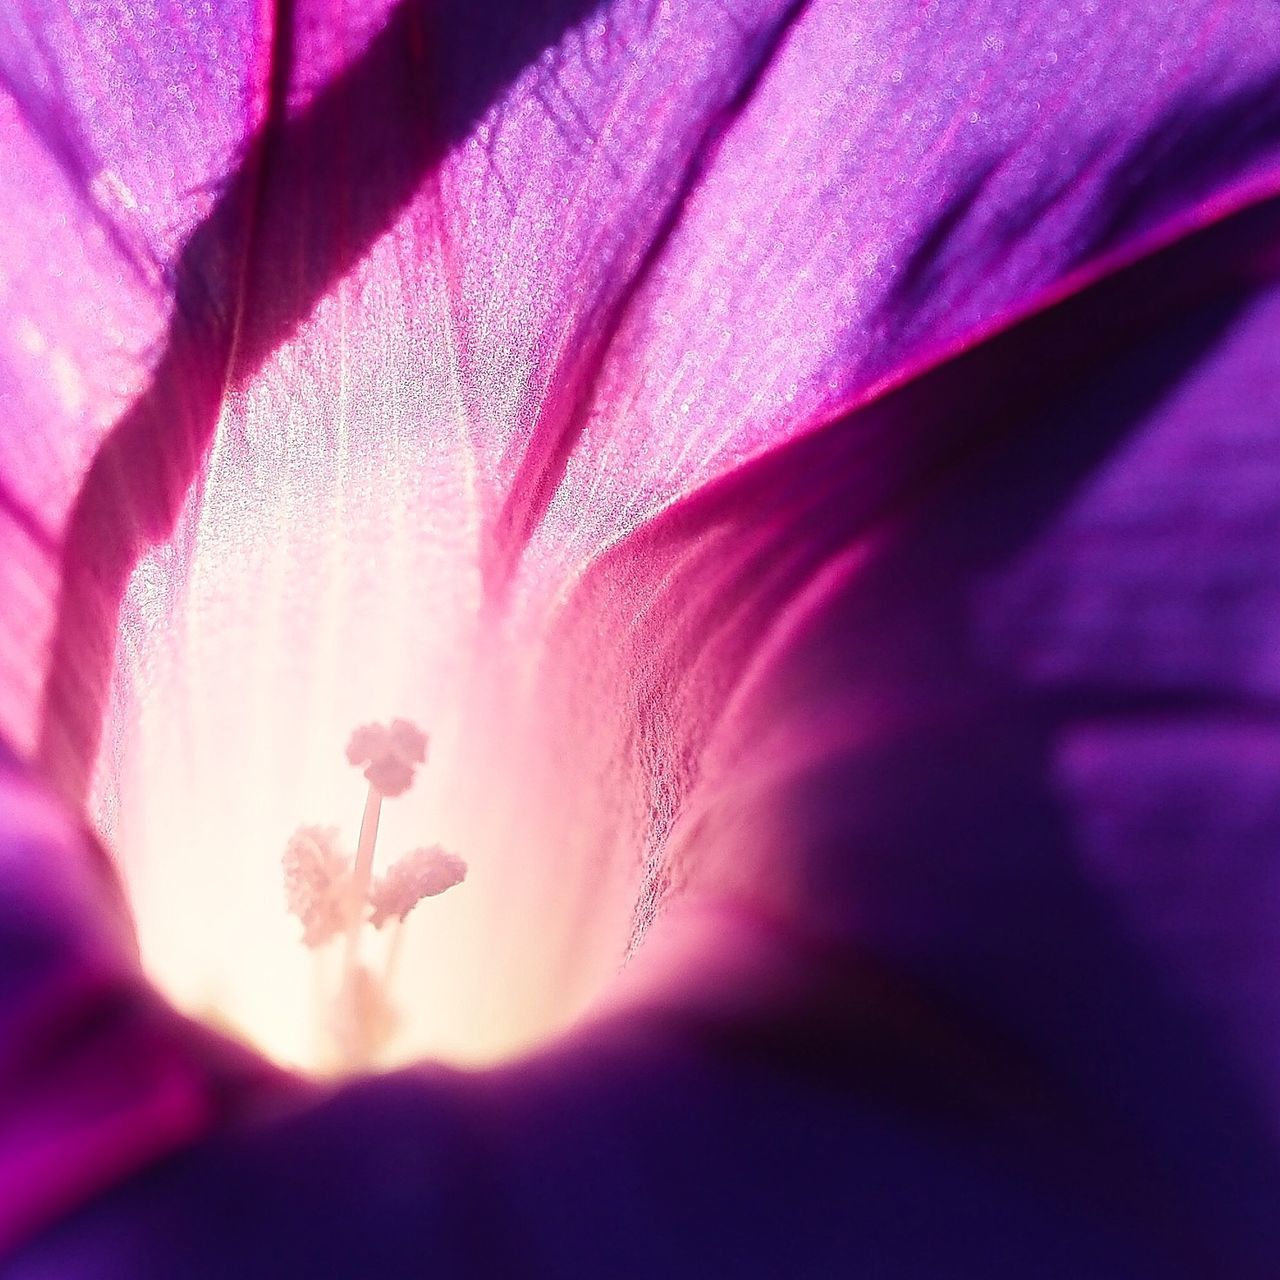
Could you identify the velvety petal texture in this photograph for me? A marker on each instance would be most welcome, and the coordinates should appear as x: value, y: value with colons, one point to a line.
x: 1075, y: 851
x: 811, y: 468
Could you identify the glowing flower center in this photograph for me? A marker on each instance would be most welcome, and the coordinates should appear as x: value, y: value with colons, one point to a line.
x: 339, y: 899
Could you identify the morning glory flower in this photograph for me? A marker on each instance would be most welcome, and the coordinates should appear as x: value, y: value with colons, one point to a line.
x: 811, y: 470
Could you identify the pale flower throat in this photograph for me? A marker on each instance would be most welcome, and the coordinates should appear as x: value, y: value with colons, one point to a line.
x: 339, y: 900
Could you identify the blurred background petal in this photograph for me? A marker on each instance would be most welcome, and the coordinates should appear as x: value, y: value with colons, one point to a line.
x: 987, y: 698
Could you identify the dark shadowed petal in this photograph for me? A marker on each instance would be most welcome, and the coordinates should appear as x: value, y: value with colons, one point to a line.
x: 979, y: 684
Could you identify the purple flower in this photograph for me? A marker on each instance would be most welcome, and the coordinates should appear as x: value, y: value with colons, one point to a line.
x: 813, y: 467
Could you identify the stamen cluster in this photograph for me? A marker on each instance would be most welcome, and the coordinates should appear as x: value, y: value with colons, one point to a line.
x: 336, y: 896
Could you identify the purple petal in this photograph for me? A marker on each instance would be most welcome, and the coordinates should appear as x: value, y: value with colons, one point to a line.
x: 816, y: 408
x: 980, y: 682
x: 636, y: 312
x: 116, y: 121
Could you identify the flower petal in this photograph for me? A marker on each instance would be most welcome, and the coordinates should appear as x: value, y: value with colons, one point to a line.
x: 97, y: 1077
x: 980, y: 681
x: 116, y: 120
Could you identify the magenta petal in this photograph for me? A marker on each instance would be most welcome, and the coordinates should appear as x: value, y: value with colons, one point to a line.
x: 115, y: 123
x: 97, y: 1077
x: 593, y: 305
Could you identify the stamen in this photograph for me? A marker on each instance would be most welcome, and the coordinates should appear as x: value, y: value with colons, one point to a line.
x: 317, y: 883
x: 424, y: 873
x: 333, y: 898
